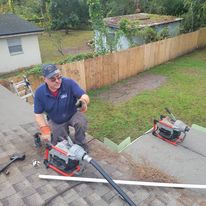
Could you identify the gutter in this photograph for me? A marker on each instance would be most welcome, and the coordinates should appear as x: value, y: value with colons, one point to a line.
x: 20, y: 34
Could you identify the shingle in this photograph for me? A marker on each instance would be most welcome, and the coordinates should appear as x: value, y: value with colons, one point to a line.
x: 6, y: 190
x: 13, y: 200
x: 11, y: 24
x: 24, y: 187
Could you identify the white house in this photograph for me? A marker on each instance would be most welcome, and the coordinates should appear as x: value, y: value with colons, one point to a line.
x: 157, y: 22
x: 19, y: 46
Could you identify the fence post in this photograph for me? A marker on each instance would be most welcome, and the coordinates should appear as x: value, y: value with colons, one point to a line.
x: 201, y: 42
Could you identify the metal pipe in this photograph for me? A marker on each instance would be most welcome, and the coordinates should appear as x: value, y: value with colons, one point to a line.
x: 124, y: 182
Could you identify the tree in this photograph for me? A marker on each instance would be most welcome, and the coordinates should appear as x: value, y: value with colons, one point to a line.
x: 11, y: 5
x: 68, y: 13
x: 96, y: 16
x: 28, y: 9
x: 3, y: 6
x: 167, y: 7
x: 7, y: 6
x: 193, y: 11
x: 118, y: 7
x: 195, y: 16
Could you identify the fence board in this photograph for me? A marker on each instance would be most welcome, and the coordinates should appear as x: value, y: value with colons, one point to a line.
x: 188, y: 42
x: 148, y: 55
x: 167, y: 49
x: 108, y: 69
x: 136, y: 60
x: 174, y: 46
x: 93, y: 72
x: 114, y: 68
x: 202, y: 38
x: 75, y: 71
x: 123, y: 58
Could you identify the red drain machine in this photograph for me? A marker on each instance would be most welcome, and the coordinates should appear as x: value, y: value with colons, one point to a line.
x: 59, y: 157
x: 169, y: 129
x: 67, y: 159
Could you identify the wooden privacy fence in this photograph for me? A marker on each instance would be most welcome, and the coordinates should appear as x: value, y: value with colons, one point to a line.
x: 108, y: 69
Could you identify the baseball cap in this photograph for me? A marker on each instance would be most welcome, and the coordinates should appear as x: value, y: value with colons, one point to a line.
x: 49, y: 70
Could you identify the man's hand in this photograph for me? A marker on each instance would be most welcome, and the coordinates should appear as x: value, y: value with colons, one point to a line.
x: 81, y: 105
x: 46, y: 133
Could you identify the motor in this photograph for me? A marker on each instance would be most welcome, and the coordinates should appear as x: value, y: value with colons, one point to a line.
x: 58, y: 157
x: 169, y: 129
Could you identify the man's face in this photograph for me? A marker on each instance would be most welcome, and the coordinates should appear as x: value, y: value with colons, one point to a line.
x: 54, y: 82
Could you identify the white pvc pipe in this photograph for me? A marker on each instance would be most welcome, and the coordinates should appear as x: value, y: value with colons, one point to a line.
x: 123, y: 182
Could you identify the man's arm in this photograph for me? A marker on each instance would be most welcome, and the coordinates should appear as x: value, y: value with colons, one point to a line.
x: 44, y: 128
x: 40, y: 119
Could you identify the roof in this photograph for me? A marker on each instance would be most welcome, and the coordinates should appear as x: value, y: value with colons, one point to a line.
x: 143, y: 19
x: 10, y: 24
x: 22, y: 185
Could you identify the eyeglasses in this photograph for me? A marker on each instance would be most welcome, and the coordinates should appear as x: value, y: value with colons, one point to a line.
x: 53, y: 79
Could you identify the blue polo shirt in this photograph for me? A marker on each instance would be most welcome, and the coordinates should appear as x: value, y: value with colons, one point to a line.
x: 62, y: 107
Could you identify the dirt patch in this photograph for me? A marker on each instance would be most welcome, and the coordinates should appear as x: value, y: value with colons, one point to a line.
x: 76, y: 50
x: 5, y: 84
x: 125, y: 90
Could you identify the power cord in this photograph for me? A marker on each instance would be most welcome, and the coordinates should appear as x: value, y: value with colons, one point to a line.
x: 60, y: 193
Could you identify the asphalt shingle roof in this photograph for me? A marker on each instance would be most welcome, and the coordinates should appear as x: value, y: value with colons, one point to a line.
x: 11, y: 24
x: 22, y: 186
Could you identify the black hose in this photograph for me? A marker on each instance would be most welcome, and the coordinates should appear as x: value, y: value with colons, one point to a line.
x: 112, y: 183
x: 60, y: 193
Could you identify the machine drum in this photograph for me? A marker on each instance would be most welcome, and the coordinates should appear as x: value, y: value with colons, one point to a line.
x: 168, y: 134
x: 62, y: 165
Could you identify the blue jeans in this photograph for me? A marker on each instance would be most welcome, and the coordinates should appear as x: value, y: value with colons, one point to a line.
x: 78, y: 121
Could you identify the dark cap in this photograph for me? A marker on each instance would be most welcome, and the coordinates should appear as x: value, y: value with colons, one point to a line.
x: 49, y: 70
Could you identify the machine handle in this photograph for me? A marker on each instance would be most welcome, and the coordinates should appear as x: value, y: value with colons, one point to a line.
x: 171, y: 115
x: 167, y: 110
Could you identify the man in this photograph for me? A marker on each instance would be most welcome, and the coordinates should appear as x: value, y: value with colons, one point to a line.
x: 64, y: 102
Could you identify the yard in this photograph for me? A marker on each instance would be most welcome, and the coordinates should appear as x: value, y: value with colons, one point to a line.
x: 128, y: 108
x: 72, y: 43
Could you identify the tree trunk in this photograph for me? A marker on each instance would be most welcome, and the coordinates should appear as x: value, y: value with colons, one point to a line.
x: 138, y: 9
x: 11, y: 5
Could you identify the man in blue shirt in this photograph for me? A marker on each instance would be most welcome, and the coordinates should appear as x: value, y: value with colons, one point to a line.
x: 64, y: 102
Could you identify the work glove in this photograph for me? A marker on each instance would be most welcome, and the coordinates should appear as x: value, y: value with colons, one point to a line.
x: 45, y: 133
x: 81, y: 105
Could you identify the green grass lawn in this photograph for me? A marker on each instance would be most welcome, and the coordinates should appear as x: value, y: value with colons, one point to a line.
x: 184, y: 93
x: 48, y: 43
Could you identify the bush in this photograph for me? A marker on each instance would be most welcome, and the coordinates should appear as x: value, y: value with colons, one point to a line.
x: 149, y: 34
x: 163, y: 34
x: 78, y: 57
x: 34, y: 70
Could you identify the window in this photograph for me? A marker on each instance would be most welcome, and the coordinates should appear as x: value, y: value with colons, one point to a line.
x: 14, y: 45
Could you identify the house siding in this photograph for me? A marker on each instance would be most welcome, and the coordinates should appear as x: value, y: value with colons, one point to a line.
x: 30, y: 56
